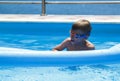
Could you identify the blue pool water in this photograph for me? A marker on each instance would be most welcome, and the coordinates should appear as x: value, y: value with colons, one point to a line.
x: 44, y: 36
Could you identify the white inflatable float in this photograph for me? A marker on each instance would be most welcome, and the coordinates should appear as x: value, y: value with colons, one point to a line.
x: 22, y: 57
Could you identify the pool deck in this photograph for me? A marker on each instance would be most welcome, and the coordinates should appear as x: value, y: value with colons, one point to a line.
x: 58, y: 18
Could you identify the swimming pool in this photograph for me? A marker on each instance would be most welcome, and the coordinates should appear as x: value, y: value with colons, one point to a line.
x: 44, y: 36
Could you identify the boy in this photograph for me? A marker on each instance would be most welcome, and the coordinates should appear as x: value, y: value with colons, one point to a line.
x: 78, y: 38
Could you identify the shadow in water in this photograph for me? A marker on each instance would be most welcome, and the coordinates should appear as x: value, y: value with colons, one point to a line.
x: 70, y: 68
x: 99, y: 66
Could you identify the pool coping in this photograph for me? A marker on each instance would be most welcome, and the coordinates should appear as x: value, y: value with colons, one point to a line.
x: 58, y: 18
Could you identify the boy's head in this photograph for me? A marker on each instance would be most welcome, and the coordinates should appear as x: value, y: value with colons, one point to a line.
x: 81, y: 28
x: 82, y: 25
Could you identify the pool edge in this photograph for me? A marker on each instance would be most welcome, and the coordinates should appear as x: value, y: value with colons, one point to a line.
x: 58, y: 18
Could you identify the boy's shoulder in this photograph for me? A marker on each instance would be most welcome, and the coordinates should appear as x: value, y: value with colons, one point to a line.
x: 68, y: 39
x: 90, y: 45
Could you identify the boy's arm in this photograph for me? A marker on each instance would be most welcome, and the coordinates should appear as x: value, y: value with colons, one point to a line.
x: 61, y: 46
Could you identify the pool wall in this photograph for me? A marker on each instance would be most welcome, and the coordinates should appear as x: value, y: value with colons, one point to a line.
x: 55, y: 28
